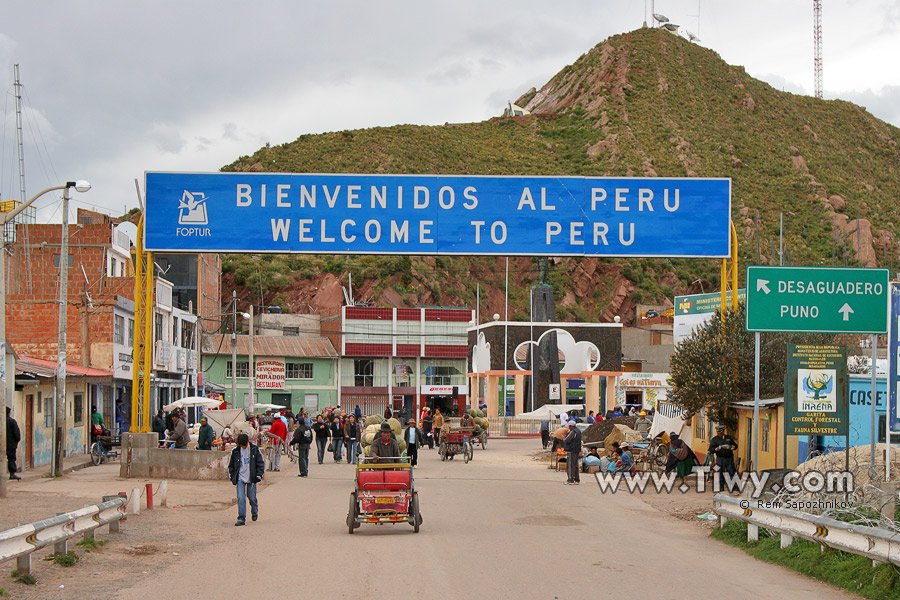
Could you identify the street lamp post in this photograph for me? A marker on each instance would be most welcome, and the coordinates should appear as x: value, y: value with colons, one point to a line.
x: 80, y: 186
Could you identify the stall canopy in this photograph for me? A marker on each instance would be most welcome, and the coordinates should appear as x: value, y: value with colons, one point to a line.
x: 220, y: 419
x: 193, y: 401
x: 549, y: 411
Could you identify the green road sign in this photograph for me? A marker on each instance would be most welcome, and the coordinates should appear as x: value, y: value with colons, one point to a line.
x: 817, y: 299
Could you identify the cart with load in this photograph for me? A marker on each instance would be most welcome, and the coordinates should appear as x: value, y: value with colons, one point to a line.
x: 455, y: 441
x: 385, y: 493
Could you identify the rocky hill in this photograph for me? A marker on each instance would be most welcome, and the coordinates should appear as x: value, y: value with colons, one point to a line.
x: 646, y: 103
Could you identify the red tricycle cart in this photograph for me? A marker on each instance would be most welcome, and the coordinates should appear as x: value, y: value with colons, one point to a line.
x: 385, y: 493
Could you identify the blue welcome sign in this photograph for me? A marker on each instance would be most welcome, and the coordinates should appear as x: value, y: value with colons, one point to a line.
x: 437, y: 214
x: 894, y: 358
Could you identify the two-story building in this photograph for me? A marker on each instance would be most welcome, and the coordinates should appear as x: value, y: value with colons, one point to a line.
x: 405, y: 358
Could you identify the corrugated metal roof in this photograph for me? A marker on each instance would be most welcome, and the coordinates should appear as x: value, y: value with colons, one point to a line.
x: 47, y: 368
x: 264, y: 345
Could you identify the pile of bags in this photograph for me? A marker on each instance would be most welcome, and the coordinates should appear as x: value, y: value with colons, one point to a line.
x: 481, y: 421
x: 373, y: 431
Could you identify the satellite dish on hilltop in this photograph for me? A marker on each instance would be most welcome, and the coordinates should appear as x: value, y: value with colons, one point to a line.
x: 671, y: 27
x: 692, y: 37
x: 660, y: 18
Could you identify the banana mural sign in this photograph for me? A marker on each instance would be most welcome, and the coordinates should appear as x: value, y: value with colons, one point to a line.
x: 816, y: 391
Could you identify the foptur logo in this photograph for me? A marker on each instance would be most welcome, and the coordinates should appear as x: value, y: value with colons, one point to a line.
x: 192, y: 209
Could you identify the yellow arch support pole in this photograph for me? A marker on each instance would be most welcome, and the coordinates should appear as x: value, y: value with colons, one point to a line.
x: 137, y: 357
x: 730, y: 275
x: 148, y: 342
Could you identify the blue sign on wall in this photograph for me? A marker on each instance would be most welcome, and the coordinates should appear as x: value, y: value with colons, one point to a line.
x: 437, y: 214
x: 894, y: 356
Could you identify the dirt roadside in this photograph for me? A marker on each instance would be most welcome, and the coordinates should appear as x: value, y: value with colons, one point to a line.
x: 149, y: 543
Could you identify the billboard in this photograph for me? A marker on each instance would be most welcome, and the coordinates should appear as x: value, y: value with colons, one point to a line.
x: 695, y: 310
x: 437, y: 214
x: 816, y: 390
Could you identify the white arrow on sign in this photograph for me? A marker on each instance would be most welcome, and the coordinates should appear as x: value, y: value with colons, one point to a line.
x: 762, y: 285
x: 846, y: 310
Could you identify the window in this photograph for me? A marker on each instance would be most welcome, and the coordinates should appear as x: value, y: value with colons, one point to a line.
x: 131, y: 332
x: 655, y: 338
x: 48, y: 413
x: 56, y: 260
x: 176, y: 341
x: 119, y: 330
x: 158, y: 327
x: 439, y: 375
x: 243, y: 369
x: 187, y: 334
x: 364, y: 373
x: 764, y: 435
x: 298, y: 371
x: 700, y: 425
x: 290, y: 331
x: 79, y: 409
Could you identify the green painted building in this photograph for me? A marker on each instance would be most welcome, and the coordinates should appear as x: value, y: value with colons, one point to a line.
x: 293, y: 371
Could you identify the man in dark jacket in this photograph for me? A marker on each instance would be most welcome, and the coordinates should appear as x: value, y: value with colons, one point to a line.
x: 205, y: 438
x: 303, y: 437
x: 13, y: 436
x: 246, y: 468
x: 572, y: 446
x: 414, y: 440
x: 158, y: 425
x: 723, y: 446
x: 427, y: 425
x: 385, y: 448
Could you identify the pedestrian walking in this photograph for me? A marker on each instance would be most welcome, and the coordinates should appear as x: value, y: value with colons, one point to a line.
x: 206, y: 435
x: 120, y: 416
x: 414, y: 440
x: 723, y: 446
x: 246, y: 468
x: 572, y: 446
x: 303, y: 437
x: 337, y: 438
x: 427, y: 426
x: 545, y: 433
x: 387, y: 412
x: 320, y: 428
x: 352, y: 435
x: 277, y: 435
x: 13, y: 436
x: 437, y: 426
x: 357, y: 412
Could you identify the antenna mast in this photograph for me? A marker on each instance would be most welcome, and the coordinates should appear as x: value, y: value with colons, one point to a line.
x: 817, y: 36
x: 19, y: 137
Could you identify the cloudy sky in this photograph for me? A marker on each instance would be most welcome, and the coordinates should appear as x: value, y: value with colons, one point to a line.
x: 113, y: 89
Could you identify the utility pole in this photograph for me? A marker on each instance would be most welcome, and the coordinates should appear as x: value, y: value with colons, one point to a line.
x: 59, y: 415
x: 252, y: 372
x: 234, y: 349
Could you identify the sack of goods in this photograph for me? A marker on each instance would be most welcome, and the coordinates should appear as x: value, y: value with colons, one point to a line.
x: 480, y: 421
x: 372, y: 433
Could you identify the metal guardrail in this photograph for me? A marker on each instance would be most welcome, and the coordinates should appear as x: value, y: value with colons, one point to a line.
x: 21, y: 541
x: 879, y: 545
x: 506, y: 426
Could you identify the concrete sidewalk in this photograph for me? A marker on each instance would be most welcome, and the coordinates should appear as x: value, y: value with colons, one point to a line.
x: 70, y: 464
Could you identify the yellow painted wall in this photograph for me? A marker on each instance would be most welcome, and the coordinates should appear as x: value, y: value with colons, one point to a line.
x: 771, y: 455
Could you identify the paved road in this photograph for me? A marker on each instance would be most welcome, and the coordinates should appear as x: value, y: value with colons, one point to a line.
x: 501, y: 526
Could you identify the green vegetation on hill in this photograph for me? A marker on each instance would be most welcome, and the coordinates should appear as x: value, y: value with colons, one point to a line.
x: 645, y: 103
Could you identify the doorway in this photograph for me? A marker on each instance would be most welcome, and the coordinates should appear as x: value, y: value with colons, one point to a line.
x: 29, y: 431
x: 285, y: 400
